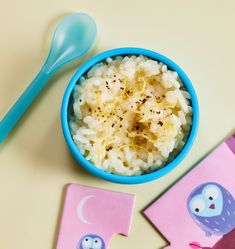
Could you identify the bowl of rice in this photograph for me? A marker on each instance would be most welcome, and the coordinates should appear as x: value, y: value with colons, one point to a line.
x: 129, y: 115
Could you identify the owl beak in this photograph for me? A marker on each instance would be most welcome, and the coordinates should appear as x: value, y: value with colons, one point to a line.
x: 212, y: 206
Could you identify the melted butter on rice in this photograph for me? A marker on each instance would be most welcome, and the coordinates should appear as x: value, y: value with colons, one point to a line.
x: 131, y: 115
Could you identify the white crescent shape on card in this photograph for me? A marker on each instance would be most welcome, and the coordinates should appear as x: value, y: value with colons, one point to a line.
x: 80, y: 208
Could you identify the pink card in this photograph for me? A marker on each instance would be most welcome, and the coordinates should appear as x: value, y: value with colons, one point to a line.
x: 199, y: 210
x: 91, y: 216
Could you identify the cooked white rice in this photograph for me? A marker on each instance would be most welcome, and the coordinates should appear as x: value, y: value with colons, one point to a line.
x: 131, y: 115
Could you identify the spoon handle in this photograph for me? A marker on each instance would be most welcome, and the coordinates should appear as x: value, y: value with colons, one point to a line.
x: 22, y: 104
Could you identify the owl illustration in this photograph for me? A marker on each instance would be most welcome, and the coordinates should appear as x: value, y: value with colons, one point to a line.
x: 212, y: 207
x: 91, y: 241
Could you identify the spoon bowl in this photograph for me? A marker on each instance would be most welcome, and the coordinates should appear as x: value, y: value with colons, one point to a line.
x: 72, y: 38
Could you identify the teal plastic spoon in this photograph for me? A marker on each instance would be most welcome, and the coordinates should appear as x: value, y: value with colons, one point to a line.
x: 74, y: 35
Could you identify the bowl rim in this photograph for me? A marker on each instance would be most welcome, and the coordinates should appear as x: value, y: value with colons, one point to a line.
x: 119, y: 178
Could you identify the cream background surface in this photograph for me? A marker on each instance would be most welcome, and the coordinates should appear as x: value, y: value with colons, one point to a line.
x: 35, y: 165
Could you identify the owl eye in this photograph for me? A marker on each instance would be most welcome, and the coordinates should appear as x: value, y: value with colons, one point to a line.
x: 97, y: 243
x: 86, y: 242
x: 197, y: 205
x: 212, y: 193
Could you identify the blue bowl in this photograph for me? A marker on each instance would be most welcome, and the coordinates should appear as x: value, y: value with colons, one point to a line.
x: 114, y: 177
